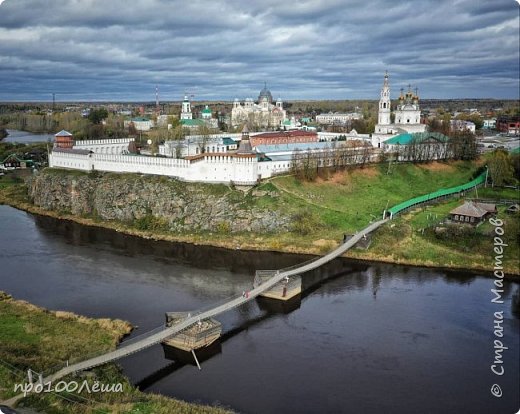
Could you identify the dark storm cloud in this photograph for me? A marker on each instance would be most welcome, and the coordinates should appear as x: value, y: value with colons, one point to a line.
x: 332, y: 49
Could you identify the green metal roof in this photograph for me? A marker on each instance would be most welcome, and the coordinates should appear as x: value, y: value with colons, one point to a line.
x: 192, y: 122
x: 206, y: 110
x: 402, y: 139
x: 17, y: 158
x: 405, y: 139
x: 516, y: 150
x: 228, y: 141
x: 140, y: 119
x: 436, y: 194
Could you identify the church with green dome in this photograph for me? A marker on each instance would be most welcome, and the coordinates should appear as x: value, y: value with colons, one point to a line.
x: 206, y: 116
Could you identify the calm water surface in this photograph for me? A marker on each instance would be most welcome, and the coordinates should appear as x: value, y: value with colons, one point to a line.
x: 24, y: 137
x: 365, y: 338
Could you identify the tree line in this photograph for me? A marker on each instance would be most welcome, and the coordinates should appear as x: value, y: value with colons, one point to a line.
x: 305, y: 165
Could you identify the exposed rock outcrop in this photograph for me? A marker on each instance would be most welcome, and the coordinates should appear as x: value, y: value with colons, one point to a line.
x: 154, y: 202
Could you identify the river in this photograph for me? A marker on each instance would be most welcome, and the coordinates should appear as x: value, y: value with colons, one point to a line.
x: 365, y: 338
x: 23, y: 137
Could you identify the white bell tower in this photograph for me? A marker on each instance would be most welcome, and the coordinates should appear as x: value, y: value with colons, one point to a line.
x: 384, y: 103
x: 186, y: 108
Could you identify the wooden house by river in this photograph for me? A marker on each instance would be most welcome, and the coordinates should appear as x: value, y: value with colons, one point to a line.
x: 472, y: 212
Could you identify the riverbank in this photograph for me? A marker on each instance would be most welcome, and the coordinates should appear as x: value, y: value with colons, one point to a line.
x: 36, y: 338
x: 403, y: 241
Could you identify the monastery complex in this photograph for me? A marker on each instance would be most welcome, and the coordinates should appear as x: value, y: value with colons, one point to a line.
x: 241, y: 158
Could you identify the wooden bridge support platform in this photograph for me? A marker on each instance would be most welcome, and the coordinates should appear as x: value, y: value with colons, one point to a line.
x: 199, y: 335
x: 288, y: 288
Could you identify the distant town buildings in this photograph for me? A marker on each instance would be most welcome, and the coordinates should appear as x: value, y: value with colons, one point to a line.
x: 140, y: 123
x: 489, y: 123
x: 162, y: 120
x: 508, y: 124
x: 461, y: 125
x: 336, y: 118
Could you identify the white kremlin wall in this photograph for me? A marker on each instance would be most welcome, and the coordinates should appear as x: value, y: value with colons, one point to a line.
x: 209, y: 168
x: 112, y: 155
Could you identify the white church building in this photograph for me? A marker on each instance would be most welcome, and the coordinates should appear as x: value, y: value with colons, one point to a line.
x: 407, y: 114
x: 263, y: 114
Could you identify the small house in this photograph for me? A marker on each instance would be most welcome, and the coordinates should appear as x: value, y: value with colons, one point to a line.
x: 14, y: 162
x: 472, y: 212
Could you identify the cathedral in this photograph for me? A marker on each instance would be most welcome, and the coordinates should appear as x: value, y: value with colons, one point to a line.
x: 263, y: 114
x: 407, y: 114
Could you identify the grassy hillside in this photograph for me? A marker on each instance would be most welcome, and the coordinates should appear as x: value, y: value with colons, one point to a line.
x: 350, y: 199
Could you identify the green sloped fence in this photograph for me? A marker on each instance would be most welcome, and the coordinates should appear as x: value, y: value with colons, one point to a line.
x: 439, y: 194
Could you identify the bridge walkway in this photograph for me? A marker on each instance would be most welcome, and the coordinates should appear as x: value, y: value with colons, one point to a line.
x: 157, y: 337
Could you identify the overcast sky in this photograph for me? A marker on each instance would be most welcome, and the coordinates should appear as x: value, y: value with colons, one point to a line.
x: 222, y: 49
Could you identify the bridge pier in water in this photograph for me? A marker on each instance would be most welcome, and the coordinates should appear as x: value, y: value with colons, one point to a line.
x: 285, y: 290
x: 199, y: 335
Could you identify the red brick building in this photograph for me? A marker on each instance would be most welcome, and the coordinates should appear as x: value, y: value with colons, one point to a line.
x: 283, y: 137
x: 63, y: 139
x: 508, y: 124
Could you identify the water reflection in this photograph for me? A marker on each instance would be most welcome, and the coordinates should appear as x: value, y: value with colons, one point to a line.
x: 203, y: 257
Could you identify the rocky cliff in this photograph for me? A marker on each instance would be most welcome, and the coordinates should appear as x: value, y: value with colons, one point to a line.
x: 151, y: 202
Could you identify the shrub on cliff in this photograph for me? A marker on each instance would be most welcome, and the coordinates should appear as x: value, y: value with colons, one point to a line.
x: 305, y: 222
x: 150, y: 222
